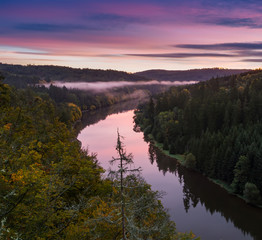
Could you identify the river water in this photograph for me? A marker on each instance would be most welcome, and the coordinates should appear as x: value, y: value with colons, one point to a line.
x: 194, y: 203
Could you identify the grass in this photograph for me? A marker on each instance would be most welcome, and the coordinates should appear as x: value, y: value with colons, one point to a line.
x: 222, y: 184
x: 179, y: 157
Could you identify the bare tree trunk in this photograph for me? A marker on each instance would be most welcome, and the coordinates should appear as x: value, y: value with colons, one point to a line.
x: 121, y: 184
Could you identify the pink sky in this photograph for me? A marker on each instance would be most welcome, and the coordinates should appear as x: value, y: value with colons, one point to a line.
x: 132, y: 36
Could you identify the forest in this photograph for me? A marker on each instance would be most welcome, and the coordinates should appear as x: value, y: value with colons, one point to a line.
x: 21, y: 76
x: 217, y: 128
x: 203, y: 74
x: 50, y: 188
x: 91, y: 100
x: 34, y: 76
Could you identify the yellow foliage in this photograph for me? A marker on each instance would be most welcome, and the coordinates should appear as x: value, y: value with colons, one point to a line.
x: 92, y: 107
x: 28, y: 176
x: 7, y: 126
x: 241, y: 89
x: 75, y: 112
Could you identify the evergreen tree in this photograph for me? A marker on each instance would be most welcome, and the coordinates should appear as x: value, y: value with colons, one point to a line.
x: 142, y: 215
x: 218, y: 121
x: 190, y: 161
x: 240, y: 174
x: 251, y: 193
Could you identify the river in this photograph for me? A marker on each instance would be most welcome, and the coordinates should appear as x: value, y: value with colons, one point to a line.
x: 194, y: 203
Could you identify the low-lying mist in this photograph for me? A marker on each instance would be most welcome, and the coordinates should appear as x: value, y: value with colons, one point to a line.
x: 103, y: 86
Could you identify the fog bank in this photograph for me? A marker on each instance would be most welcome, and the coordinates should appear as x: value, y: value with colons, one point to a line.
x: 102, y: 86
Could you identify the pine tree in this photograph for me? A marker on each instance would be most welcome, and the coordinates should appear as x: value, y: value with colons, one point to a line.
x: 142, y: 214
x: 241, y: 171
x: 251, y: 193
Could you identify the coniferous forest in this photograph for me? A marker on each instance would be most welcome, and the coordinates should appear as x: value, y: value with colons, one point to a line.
x: 50, y: 188
x: 178, y: 83
x: 216, y: 126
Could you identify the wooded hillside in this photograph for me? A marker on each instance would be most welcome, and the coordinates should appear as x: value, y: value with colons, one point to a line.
x: 189, y: 75
x: 52, y: 189
x: 21, y: 76
x: 217, y: 125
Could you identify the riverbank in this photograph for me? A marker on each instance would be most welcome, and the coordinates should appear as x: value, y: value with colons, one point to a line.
x: 180, y: 158
x: 193, y: 201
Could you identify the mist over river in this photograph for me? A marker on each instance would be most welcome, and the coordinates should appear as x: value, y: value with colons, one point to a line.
x: 104, y: 86
x: 194, y: 203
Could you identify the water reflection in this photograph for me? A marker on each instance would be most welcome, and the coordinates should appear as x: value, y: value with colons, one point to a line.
x: 199, y: 190
x: 93, y: 117
x: 194, y: 202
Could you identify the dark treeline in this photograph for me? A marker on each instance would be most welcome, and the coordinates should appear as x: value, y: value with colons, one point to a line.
x: 217, y: 125
x: 203, y: 74
x: 29, y: 77
x: 85, y: 99
x: 20, y: 76
x: 32, y: 76
x: 52, y: 189
x: 197, y: 189
x: 92, y: 100
x: 93, y: 117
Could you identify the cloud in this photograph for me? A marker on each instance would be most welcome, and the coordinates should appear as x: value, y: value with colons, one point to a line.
x: 237, y: 49
x: 232, y: 22
x: 250, y: 53
x: 237, y: 22
x: 182, y: 55
x: 47, y: 27
x: 115, y: 22
x: 115, y: 18
x: 253, y: 60
x: 21, y: 50
x: 229, y: 6
x: 92, y: 22
x: 223, y: 46
x: 230, y: 50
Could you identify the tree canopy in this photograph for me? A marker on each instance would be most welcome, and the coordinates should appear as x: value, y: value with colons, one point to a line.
x: 50, y: 188
x: 218, y: 121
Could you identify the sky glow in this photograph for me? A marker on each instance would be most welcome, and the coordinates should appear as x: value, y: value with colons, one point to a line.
x: 132, y: 35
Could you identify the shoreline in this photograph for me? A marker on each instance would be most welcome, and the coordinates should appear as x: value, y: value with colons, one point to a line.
x: 180, y: 159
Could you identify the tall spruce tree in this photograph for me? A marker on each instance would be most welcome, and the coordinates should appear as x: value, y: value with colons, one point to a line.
x: 142, y: 214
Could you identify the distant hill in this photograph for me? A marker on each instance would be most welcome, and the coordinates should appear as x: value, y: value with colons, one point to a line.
x: 189, y: 75
x: 20, y: 76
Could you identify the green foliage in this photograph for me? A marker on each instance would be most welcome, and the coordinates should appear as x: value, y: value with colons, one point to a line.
x: 219, y: 121
x: 46, y: 179
x: 251, y: 193
x: 69, y: 113
x: 52, y: 189
x: 241, y: 172
x: 90, y: 100
x: 186, y: 236
x: 31, y: 76
x: 142, y: 214
x: 190, y: 161
x: 4, y: 94
x: 21, y: 76
x: 189, y: 75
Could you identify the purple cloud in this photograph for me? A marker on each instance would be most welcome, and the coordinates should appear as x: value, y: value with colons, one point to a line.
x: 223, y: 46
x: 182, y: 55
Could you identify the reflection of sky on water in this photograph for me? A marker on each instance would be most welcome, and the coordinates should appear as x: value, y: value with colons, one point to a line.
x: 101, y: 138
